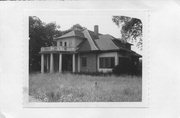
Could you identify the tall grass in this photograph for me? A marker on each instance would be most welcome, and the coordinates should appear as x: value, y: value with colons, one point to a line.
x: 68, y: 87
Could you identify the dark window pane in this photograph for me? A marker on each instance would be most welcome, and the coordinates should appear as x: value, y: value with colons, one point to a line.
x: 83, y: 61
x: 106, y: 62
x: 65, y: 44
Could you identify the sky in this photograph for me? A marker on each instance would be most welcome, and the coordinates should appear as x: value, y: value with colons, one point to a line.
x: 66, y: 19
x: 85, y: 19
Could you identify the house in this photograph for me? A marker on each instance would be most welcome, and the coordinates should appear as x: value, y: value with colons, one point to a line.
x: 86, y: 51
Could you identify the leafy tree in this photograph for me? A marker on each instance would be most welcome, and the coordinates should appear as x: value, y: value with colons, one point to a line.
x: 40, y: 35
x: 74, y: 27
x: 131, y: 29
x: 77, y: 26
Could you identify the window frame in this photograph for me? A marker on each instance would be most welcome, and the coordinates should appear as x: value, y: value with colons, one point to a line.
x: 106, y: 62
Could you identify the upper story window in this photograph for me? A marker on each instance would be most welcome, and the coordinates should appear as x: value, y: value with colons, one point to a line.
x: 60, y: 43
x: 65, y: 44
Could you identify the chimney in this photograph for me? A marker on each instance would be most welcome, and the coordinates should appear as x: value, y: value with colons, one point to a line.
x: 96, y: 29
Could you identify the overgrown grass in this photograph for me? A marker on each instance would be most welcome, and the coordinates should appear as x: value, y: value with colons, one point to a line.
x: 68, y: 87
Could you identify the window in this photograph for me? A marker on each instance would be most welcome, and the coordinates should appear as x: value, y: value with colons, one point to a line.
x: 60, y: 43
x: 65, y: 44
x: 106, y: 62
x: 83, y: 61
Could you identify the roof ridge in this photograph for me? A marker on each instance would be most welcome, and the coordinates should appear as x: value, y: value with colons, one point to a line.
x: 90, y: 40
x: 95, y: 42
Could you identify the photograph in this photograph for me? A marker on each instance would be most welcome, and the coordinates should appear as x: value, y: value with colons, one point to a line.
x: 85, y: 56
x: 89, y: 59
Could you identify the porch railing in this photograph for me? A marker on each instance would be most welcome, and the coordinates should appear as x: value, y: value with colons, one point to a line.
x: 59, y: 48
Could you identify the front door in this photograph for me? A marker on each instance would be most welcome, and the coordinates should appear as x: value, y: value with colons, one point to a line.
x: 67, y: 62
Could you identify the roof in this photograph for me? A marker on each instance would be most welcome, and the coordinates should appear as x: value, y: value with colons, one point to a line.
x: 100, y: 42
x: 73, y: 33
x: 105, y: 43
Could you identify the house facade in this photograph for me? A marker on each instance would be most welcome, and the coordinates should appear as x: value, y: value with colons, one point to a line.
x: 82, y: 50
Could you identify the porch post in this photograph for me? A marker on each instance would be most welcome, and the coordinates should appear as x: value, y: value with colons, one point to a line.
x: 60, y: 62
x: 42, y: 63
x: 73, y: 62
x: 47, y: 58
x: 78, y: 62
x: 116, y: 59
x: 51, y: 63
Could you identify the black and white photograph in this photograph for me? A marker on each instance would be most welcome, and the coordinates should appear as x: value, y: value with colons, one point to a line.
x: 85, y: 56
x: 89, y: 59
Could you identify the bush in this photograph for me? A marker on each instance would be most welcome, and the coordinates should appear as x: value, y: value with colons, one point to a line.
x: 128, y: 68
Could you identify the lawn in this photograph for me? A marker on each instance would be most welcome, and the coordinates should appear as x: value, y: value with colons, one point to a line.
x: 68, y: 87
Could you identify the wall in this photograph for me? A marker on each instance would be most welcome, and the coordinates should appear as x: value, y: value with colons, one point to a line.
x: 91, y: 63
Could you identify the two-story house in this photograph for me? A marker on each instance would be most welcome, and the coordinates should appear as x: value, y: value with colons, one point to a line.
x: 86, y: 51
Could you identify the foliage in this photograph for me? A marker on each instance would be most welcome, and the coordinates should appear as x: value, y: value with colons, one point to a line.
x: 131, y: 28
x: 77, y: 26
x: 74, y: 27
x: 128, y: 68
x: 40, y: 35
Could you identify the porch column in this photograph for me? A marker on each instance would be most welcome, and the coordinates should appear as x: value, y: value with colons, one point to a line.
x: 60, y: 62
x: 73, y: 63
x: 116, y: 59
x: 42, y: 63
x: 78, y: 63
x: 47, y: 57
x: 51, y: 63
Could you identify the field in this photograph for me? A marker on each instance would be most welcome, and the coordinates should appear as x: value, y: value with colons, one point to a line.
x: 68, y: 87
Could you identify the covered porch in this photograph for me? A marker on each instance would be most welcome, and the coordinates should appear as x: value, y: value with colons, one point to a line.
x: 58, y: 62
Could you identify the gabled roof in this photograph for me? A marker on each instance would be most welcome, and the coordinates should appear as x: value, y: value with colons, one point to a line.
x: 73, y: 33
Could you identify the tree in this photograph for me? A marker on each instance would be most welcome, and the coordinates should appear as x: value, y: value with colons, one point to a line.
x: 40, y: 35
x: 77, y: 27
x: 131, y: 29
x: 74, y: 27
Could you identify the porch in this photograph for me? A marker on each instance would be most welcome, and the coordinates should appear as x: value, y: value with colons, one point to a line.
x: 58, y: 62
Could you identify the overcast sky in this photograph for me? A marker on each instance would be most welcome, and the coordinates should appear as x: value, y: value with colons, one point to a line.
x: 88, y: 19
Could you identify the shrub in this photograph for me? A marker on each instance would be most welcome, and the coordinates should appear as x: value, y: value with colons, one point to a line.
x: 128, y: 68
